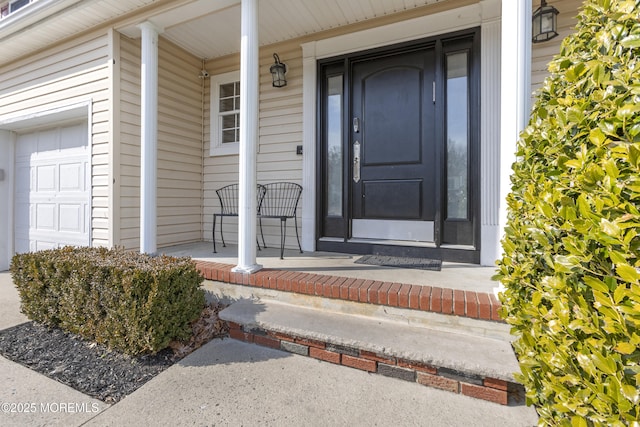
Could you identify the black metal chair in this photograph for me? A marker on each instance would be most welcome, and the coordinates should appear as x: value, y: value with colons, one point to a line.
x: 229, y: 196
x: 280, y: 201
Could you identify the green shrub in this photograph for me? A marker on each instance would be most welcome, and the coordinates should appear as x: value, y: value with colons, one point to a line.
x: 132, y: 302
x: 571, y: 247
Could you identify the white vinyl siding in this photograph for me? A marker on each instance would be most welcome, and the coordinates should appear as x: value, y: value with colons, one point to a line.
x: 179, y: 145
x: 68, y: 74
x: 280, y: 131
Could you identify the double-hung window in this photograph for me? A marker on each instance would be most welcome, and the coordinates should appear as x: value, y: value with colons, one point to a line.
x: 225, y: 114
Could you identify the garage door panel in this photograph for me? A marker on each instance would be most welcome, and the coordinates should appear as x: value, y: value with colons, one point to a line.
x: 70, y: 218
x: 48, y: 140
x: 52, y: 189
x: 46, y: 178
x: 23, y: 181
x: 46, y: 216
x: 71, y: 139
x: 22, y: 221
x: 41, y: 245
x: 72, y: 177
x: 26, y: 148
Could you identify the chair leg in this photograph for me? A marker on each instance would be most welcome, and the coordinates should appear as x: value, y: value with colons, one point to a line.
x: 264, y: 245
x: 283, y: 235
x: 213, y: 233
x: 221, y: 233
x: 295, y: 222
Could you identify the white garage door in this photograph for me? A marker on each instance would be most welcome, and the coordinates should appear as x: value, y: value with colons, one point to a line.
x: 52, y: 188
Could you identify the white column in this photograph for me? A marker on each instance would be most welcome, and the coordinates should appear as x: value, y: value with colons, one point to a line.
x: 309, y: 147
x: 515, y: 86
x: 516, y: 89
x: 490, y: 140
x: 149, y: 138
x: 249, y: 98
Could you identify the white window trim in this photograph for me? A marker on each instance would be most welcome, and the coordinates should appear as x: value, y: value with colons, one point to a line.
x: 217, y: 148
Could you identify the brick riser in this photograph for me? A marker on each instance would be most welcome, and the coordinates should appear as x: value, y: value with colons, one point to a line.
x: 476, y: 305
x: 485, y: 388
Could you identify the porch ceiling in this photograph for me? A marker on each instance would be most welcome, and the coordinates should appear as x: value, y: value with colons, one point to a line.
x: 206, y: 28
x: 218, y: 33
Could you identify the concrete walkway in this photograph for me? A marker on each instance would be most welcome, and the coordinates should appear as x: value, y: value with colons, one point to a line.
x: 228, y: 382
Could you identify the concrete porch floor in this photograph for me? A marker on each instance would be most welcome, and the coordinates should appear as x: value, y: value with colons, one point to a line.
x: 453, y: 275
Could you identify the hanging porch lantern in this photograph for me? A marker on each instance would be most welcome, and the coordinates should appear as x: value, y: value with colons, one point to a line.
x: 278, y: 71
x: 545, y: 23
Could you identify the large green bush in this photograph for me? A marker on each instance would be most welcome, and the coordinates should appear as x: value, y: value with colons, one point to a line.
x: 571, y: 250
x: 132, y: 302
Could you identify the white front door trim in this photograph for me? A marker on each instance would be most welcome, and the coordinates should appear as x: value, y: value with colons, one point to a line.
x: 483, y: 14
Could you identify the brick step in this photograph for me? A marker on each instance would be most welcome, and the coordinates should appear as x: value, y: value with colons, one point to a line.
x: 475, y: 366
x: 432, y: 299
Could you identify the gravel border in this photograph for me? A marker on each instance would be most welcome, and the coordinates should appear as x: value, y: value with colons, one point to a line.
x: 91, y: 368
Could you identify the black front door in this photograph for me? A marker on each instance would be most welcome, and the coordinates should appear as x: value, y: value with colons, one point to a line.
x: 393, y: 147
x: 399, y: 150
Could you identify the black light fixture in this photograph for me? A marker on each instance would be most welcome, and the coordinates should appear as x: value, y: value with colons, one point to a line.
x: 545, y: 23
x: 277, y: 72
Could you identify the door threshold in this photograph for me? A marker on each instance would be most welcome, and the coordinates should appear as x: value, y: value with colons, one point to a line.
x: 459, y: 247
x: 412, y: 249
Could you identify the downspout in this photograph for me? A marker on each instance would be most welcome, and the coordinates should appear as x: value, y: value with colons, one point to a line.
x: 202, y: 76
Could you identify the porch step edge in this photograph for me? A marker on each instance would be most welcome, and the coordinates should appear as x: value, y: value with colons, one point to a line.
x: 476, y: 366
x: 461, y: 303
x: 228, y: 293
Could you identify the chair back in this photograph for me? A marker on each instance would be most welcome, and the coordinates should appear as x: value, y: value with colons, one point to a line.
x: 229, y: 199
x: 280, y: 200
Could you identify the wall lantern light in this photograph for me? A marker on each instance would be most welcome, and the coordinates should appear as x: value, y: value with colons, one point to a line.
x: 277, y: 72
x: 545, y: 23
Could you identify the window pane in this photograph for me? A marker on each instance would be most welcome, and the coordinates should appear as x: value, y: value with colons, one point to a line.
x: 334, y: 146
x: 226, y: 105
x: 18, y: 5
x: 229, y: 122
x: 227, y: 90
x: 457, y: 136
x: 236, y: 101
x: 228, y: 136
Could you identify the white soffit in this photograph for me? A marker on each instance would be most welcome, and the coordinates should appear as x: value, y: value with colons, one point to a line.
x: 211, y: 29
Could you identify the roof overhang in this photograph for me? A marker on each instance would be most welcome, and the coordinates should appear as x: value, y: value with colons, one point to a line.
x: 205, y: 28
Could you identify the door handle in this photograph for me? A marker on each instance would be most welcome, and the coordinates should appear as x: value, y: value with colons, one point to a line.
x: 356, y: 162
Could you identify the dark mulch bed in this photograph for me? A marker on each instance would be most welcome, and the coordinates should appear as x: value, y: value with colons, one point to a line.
x: 92, y: 368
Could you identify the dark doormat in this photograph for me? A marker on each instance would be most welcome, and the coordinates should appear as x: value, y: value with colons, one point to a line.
x: 401, y: 262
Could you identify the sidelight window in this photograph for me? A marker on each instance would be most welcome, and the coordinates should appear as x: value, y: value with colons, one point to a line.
x: 334, y: 146
x: 457, y: 131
